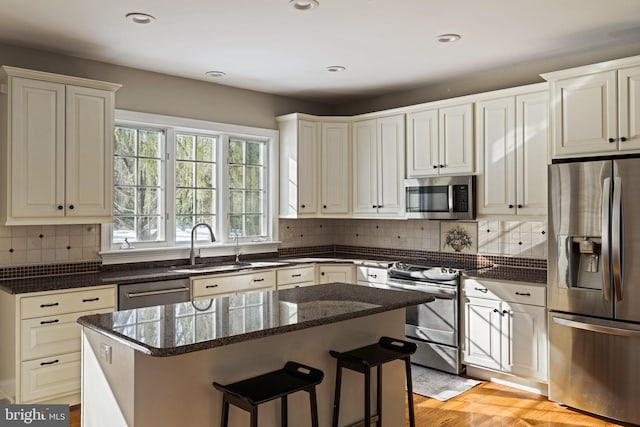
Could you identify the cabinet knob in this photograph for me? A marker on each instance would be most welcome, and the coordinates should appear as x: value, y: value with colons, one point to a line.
x: 505, y: 311
x: 60, y: 207
x: 435, y: 166
x: 611, y: 140
x: 70, y: 206
x: 443, y: 166
x: 520, y: 206
x: 379, y: 206
x: 495, y: 310
x: 511, y: 206
x: 322, y: 274
x: 623, y: 139
x: 324, y: 206
x: 303, y: 206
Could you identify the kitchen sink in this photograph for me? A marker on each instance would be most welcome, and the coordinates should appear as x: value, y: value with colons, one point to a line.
x: 204, y: 268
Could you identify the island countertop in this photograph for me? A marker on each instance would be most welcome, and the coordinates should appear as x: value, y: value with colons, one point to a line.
x: 198, y: 325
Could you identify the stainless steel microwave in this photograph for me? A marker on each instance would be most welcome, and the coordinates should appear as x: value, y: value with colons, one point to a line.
x: 443, y: 197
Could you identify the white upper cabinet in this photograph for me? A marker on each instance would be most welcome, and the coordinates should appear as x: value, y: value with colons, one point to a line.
x: 440, y: 141
x: 58, y: 144
x: 595, y: 109
x: 512, y: 153
x: 315, y: 167
x: 378, y: 167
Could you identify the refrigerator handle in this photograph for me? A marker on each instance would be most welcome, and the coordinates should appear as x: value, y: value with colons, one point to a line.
x: 616, y: 237
x: 610, y: 330
x: 606, y: 220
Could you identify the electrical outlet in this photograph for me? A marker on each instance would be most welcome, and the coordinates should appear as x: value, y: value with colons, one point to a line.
x: 105, y: 349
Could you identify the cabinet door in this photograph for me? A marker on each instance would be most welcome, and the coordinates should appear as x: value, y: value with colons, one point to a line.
x: 391, y: 165
x: 336, y: 169
x: 531, y: 151
x: 37, y: 149
x: 525, y: 348
x: 482, y: 334
x: 585, y: 114
x: 307, y: 167
x: 89, y: 153
x: 496, y: 156
x: 336, y: 273
x: 365, y: 191
x: 455, y: 125
x: 629, y: 104
x: 422, y: 143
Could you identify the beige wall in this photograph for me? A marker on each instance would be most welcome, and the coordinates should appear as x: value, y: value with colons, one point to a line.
x: 163, y: 94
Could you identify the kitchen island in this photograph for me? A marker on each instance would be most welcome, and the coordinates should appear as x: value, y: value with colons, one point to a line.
x: 154, y: 366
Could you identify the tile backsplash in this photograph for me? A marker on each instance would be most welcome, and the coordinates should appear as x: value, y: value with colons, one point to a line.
x: 48, y: 244
x: 526, y: 239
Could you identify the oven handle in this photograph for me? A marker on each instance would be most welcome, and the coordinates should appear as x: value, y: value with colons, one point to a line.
x: 160, y: 292
x: 437, y: 292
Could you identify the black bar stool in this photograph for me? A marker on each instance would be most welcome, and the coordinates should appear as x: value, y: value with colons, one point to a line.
x: 248, y: 394
x: 362, y: 360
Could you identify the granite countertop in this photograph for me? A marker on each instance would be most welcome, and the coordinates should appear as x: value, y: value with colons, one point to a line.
x: 518, y: 274
x: 182, y: 328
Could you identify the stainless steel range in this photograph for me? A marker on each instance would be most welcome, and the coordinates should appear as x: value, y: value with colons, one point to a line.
x: 432, y: 326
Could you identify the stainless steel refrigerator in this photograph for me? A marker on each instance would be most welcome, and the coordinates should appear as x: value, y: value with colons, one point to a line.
x: 594, y: 286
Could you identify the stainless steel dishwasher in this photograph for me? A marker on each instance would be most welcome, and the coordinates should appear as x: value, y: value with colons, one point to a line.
x: 147, y: 294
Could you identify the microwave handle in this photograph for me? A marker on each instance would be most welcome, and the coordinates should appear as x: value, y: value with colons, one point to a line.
x: 450, y: 190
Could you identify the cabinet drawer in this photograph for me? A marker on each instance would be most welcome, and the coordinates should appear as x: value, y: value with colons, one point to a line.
x: 230, y: 284
x: 371, y: 274
x: 511, y: 292
x: 50, y: 377
x: 286, y: 276
x: 48, y: 336
x: 67, y: 302
x: 295, y: 285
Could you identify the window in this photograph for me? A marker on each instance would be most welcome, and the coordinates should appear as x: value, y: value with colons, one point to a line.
x: 172, y: 173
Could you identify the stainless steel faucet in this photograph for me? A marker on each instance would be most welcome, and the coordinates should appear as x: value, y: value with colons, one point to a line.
x: 236, y: 234
x: 192, y: 255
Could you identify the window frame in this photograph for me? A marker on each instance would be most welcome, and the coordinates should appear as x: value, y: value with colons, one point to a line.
x: 225, y: 244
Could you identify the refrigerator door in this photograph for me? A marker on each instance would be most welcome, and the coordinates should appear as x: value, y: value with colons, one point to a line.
x: 593, y: 365
x: 626, y: 230
x: 579, y: 279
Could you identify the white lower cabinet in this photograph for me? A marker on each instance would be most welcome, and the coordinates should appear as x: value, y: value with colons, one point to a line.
x: 330, y: 273
x: 505, y: 327
x: 41, y: 342
x: 371, y: 276
x: 296, y: 276
x: 232, y: 283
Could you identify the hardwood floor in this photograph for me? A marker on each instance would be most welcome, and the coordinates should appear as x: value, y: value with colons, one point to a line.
x: 486, y: 405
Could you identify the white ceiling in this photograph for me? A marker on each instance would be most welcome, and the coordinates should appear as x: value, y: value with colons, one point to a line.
x: 266, y: 45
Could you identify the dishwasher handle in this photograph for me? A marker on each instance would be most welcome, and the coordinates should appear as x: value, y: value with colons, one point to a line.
x: 160, y: 292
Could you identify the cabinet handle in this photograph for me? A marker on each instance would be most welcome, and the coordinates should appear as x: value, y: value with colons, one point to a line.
x: 70, y: 206
x: 379, y: 206
x: 483, y: 290
x: 49, y: 363
x: 60, y: 207
x: 435, y: 166
x: 523, y: 294
x: 258, y: 280
x: 53, y: 304
x: 511, y: 206
x: 611, y: 140
x: 519, y: 206
x: 48, y: 322
x: 373, y: 276
x: 296, y: 275
x: 91, y: 299
x: 506, y: 312
x: 443, y: 166
x: 495, y: 310
x: 211, y: 286
x: 374, y: 206
x: 623, y: 139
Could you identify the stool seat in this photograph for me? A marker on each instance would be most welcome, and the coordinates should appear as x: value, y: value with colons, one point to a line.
x: 249, y: 393
x: 362, y: 360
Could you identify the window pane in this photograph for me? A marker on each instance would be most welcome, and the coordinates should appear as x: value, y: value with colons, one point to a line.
x: 185, y: 201
x: 253, y: 202
x: 205, y: 202
x: 253, y: 225
x: 184, y: 147
x: 236, y: 176
x: 236, y: 202
x: 124, y: 227
x: 184, y: 224
x: 148, y: 201
x: 254, y: 177
x: 254, y: 153
x: 149, y: 143
x: 124, y: 171
x: 124, y: 200
x: 206, y: 149
x: 125, y: 141
x: 148, y: 172
x: 236, y: 151
x: 204, y: 173
x: 184, y: 174
x: 148, y: 228
x: 235, y: 223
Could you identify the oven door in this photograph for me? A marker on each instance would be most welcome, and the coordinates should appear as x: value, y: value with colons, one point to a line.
x: 435, y: 321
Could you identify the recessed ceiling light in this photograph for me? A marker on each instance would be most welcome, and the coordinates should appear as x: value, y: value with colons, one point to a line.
x: 335, y: 68
x: 448, y: 38
x: 304, y: 4
x: 140, y: 18
x: 216, y: 73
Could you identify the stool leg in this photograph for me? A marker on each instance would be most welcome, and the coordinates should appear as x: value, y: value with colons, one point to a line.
x: 379, y: 397
x: 336, y: 399
x: 314, y: 406
x: 412, y: 416
x: 367, y: 398
x: 225, y: 413
x: 285, y: 413
x: 254, y: 416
